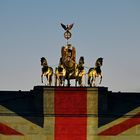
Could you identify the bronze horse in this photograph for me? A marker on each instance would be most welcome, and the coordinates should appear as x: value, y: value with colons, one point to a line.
x: 46, y: 71
x: 95, y: 72
x: 80, y: 72
x: 60, y: 74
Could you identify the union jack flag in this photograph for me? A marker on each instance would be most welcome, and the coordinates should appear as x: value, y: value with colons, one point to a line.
x: 69, y: 113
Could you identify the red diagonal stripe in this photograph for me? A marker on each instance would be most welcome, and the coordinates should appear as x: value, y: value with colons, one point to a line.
x: 6, y: 130
x: 121, y: 127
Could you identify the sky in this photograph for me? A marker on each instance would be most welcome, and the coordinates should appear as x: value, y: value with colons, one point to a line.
x: 30, y: 29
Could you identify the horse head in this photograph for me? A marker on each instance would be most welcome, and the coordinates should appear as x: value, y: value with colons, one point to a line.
x: 81, y: 60
x: 99, y: 62
x: 43, y: 61
x: 80, y: 72
x: 80, y: 65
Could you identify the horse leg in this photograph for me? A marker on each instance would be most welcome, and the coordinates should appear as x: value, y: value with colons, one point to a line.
x: 93, y: 81
x: 63, y: 80
x: 42, y: 78
x: 47, y: 82
x: 90, y: 81
x: 80, y: 81
x: 68, y: 84
x: 100, y: 79
x: 50, y: 79
x: 76, y: 82
x: 55, y: 80
x: 60, y: 80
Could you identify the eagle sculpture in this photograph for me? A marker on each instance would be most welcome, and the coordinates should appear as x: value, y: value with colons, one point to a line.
x: 67, y: 27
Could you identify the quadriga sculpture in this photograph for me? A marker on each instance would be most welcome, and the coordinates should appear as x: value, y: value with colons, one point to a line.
x: 68, y: 69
